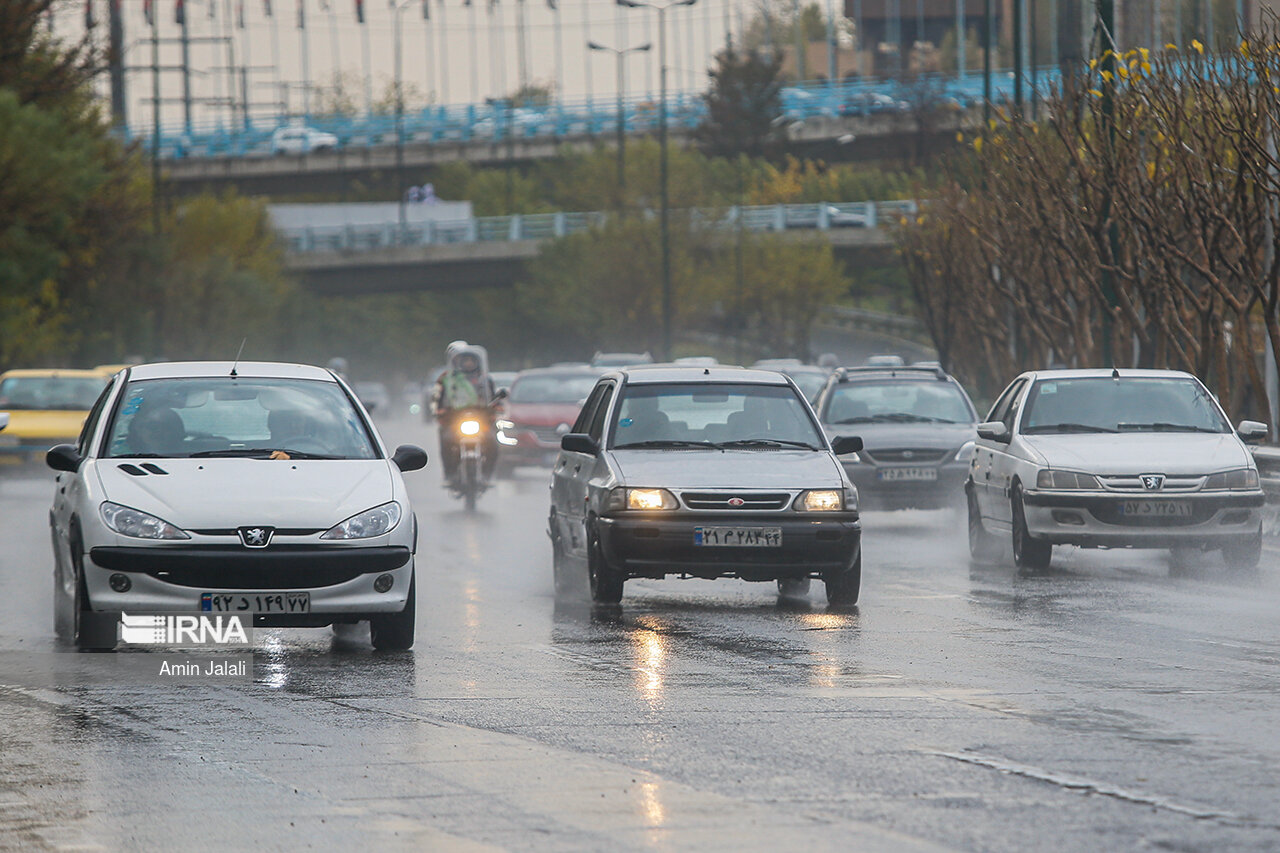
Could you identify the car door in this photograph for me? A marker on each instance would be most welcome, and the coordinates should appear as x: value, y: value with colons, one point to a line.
x: 69, y: 487
x: 1004, y: 462
x: 565, y: 497
x: 988, y: 454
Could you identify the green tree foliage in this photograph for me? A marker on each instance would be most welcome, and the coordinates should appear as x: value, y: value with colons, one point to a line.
x: 773, y: 27
x: 744, y: 105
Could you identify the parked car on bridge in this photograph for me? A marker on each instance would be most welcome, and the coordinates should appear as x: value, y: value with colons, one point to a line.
x: 301, y: 140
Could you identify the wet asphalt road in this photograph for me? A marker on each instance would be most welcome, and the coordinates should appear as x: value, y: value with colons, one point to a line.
x: 1103, y: 707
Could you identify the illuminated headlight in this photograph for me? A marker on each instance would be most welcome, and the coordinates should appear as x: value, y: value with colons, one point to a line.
x: 1241, y: 478
x: 1052, y: 479
x: 965, y: 453
x: 504, y: 424
x: 821, y: 500
x: 368, y: 524
x: 469, y: 427
x: 140, y: 525
x: 642, y: 499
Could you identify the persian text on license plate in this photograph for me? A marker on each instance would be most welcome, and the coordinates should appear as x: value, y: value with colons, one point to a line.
x: 738, y: 537
x: 913, y: 472
x: 1157, y: 509
x: 255, y: 602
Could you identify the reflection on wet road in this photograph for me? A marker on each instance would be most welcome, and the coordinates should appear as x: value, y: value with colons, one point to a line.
x: 1104, y: 706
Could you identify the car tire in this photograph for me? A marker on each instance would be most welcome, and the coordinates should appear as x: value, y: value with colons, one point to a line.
x: 394, y: 632
x: 1244, y: 554
x: 983, y: 546
x: 91, y: 631
x: 843, y: 587
x: 793, y: 587
x: 63, y: 617
x: 606, y: 584
x: 1029, y: 554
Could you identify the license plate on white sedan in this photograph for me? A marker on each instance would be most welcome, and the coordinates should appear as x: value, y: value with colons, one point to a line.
x: 738, y: 537
x: 913, y: 472
x: 1157, y: 509
x: 255, y: 602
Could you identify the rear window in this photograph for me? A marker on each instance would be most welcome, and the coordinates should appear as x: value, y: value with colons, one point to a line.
x: 50, y: 393
x: 898, y: 402
x: 552, y: 389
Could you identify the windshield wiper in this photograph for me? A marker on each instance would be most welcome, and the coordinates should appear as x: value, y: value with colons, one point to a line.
x: 667, y: 442
x: 259, y: 453
x: 137, y: 456
x: 1067, y: 427
x: 1162, y: 426
x: 766, y: 442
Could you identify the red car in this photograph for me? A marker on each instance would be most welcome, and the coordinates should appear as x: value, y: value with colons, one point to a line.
x: 542, y: 406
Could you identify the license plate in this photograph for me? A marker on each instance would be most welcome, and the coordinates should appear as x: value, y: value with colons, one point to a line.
x: 1158, y: 509
x: 913, y: 472
x: 255, y: 602
x: 738, y: 537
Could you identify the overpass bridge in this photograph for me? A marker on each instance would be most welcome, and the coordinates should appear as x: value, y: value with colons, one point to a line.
x: 493, y: 251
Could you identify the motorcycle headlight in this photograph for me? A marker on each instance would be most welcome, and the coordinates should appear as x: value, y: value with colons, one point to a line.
x: 965, y: 453
x: 469, y: 427
x: 821, y: 500
x: 1241, y: 478
x: 140, y: 525
x: 368, y: 524
x: 1052, y: 479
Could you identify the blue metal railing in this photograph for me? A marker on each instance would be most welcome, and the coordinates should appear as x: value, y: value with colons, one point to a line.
x: 500, y: 121
x: 544, y: 226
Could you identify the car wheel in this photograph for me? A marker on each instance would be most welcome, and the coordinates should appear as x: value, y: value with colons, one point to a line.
x: 1243, y: 554
x: 983, y: 547
x: 843, y: 587
x: 91, y: 631
x: 606, y: 584
x: 393, y: 632
x: 63, y: 615
x: 1030, y: 555
x: 793, y: 587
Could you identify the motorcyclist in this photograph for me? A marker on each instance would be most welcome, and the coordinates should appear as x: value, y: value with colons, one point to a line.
x: 464, y: 385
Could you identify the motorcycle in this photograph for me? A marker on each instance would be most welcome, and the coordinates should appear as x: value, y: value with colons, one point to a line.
x: 475, y: 428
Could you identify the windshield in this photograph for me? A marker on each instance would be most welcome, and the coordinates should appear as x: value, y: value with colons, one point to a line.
x: 898, y: 401
x: 713, y: 414
x: 50, y: 393
x: 237, y: 417
x: 546, y: 388
x: 1128, y: 404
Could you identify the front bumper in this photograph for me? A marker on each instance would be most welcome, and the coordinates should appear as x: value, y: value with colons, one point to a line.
x: 947, y: 490
x: 338, y: 578
x: 1098, y: 518
x: 655, y: 546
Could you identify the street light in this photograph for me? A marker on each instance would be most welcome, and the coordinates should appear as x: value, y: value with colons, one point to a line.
x: 399, y: 7
x: 662, y: 144
x: 620, y: 55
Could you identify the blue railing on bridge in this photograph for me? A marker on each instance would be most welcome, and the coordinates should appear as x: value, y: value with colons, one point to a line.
x: 543, y: 226
x: 503, y: 122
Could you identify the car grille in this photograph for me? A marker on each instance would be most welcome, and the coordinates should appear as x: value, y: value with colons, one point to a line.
x: 257, y: 577
x: 905, y: 454
x: 1133, y: 483
x: 750, y: 500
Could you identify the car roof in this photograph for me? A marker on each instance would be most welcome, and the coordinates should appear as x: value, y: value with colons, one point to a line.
x: 654, y: 374
x: 1107, y: 373
x: 50, y: 372
x: 244, y: 369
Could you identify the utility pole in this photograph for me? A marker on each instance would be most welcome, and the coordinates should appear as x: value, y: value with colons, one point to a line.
x: 1106, y: 26
x: 116, y: 59
x: 620, y: 55
x: 1017, y: 56
x: 988, y: 42
x: 155, y: 121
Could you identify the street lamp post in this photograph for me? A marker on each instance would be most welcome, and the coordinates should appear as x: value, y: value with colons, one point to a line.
x: 399, y: 7
x: 620, y: 55
x: 664, y: 221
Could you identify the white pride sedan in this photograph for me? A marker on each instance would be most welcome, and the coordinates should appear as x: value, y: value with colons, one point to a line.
x: 1115, y: 459
x: 251, y: 488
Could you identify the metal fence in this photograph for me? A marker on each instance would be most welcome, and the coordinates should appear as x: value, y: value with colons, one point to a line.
x: 544, y: 226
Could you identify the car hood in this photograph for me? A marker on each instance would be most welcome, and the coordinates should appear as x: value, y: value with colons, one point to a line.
x: 222, y: 493
x: 885, y: 435
x: 543, y: 414
x: 1142, y: 453
x: 729, y: 469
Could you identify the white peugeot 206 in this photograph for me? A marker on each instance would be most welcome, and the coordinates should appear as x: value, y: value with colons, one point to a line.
x: 251, y: 488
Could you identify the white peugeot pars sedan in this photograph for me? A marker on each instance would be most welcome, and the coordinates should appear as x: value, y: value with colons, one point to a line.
x: 1114, y: 458
x: 252, y: 488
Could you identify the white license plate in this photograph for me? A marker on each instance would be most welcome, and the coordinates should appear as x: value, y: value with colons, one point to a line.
x: 913, y: 472
x: 255, y: 602
x: 1158, y: 509
x: 738, y: 537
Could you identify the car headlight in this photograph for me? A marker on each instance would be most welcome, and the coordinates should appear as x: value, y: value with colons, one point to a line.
x: 504, y: 424
x: 469, y: 427
x: 641, y: 499
x: 367, y: 524
x: 965, y: 453
x: 821, y: 500
x: 1053, y: 479
x: 140, y: 525
x: 1241, y: 478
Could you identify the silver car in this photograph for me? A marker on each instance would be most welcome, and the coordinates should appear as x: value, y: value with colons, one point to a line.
x: 1114, y: 458
x: 703, y: 472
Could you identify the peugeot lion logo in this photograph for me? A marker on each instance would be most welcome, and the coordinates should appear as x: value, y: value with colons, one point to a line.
x: 256, y: 537
x: 1153, y: 482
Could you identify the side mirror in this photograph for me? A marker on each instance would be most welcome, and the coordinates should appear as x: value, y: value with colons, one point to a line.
x: 409, y: 457
x: 4, y: 420
x: 994, y: 431
x: 63, y: 457
x: 843, y: 444
x: 579, y: 442
x: 1253, y: 431
x: 501, y: 394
